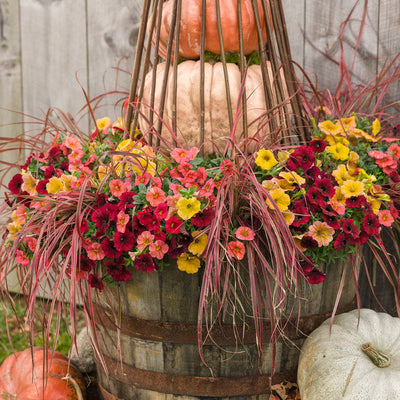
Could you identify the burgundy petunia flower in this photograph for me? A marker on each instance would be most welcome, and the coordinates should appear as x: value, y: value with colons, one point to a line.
x: 317, y: 145
x: 308, y: 242
x: 64, y: 166
x: 315, y: 277
x: 101, y: 217
x: 118, y: 271
x: 314, y: 173
x: 124, y: 241
x: 126, y: 200
x: 204, y: 217
x: 394, y: 176
x: 306, y: 266
x: 84, y: 226
x: 303, y: 157
x: 159, y: 235
x: 356, y: 202
x: 86, y: 264
x: 27, y: 163
x: 173, y: 225
x: 54, y: 152
x: 95, y: 282
x: 148, y: 219
x: 174, y: 250
x: 15, y: 184
x: 301, y: 216
x: 314, y: 196
x: 109, y: 248
x: 332, y: 221
x: 161, y: 211
x: 342, y: 241
x: 370, y: 224
x: 50, y: 172
x: 144, y: 262
x: 101, y: 200
x: 41, y: 186
x: 350, y: 228
x: 361, y: 239
x: 325, y: 187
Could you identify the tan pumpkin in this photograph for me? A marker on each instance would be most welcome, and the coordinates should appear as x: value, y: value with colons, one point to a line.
x: 190, y: 27
x: 22, y: 380
x: 188, y: 109
x: 359, y: 359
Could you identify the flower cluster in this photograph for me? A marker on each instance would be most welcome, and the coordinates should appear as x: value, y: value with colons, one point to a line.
x: 138, y: 210
x: 335, y: 192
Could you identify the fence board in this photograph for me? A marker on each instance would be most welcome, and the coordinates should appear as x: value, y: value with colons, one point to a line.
x: 389, y: 40
x: 10, y: 74
x: 53, y: 38
x: 112, y: 43
x: 323, y: 20
x: 294, y: 15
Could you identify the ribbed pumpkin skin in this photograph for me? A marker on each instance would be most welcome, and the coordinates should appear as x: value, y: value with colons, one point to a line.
x: 333, y: 366
x: 16, y: 377
x: 190, y: 28
x: 216, y: 110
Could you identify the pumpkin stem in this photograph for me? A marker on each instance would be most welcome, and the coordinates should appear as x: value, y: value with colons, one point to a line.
x: 8, y: 396
x: 379, y: 358
x: 76, y: 386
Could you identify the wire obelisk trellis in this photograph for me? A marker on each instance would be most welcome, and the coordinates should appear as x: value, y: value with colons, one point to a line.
x: 283, y: 109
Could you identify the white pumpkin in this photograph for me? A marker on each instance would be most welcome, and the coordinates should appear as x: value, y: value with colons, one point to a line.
x: 334, y: 366
x: 216, y: 110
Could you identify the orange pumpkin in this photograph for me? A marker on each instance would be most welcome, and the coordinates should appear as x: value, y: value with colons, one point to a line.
x: 190, y: 27
x: 22, y: 380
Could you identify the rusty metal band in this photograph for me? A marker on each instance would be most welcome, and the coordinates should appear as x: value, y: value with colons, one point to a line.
x: 105, y: 395
x: 194, y: 385
x: 226, y: 334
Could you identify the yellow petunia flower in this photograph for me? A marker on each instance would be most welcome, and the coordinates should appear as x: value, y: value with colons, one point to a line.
x: 352, y: 162
x: 352, y: 188
x: 270, y: 184
x: 341, y: 174
x: 348, y: 123
x: 376, y: 127
x: 289, y: 217
x: 67, y: 180
x: 187, y: 263
x: 54, y: 185
x: 292, y: 178
x: 321, y: 232
x: 375, y: 204
x: 283, y: 156
x: 338, y: 197
x: 102, y: 123
x: 29, y: 184
x: 281, y: 199
x: 339, y: 151
x: 265, y: 159
x: 186, y: 208
x: 330, y: 128
x: 199, y: 243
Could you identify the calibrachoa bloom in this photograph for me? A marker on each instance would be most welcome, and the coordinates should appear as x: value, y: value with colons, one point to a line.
x: 128, y: 206
x: 338, y: 188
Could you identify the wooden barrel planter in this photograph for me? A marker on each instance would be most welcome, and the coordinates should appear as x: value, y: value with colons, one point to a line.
x: 159, y: 356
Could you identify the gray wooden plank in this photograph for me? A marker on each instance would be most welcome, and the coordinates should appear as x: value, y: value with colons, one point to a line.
x: 389, y: 41
x: 295, y: 17
x: 112, y: 34
x: 53, y: 42
x: 10, y: 75
x: 322, y: 28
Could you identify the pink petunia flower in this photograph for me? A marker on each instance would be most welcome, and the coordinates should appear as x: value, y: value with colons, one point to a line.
x: 142, y: 179
x: 181, y: 155
x: 31, y: 242
x: 156, y: 196
x: 377, y: 154
x: 158, y: 249
x: 95, y: 252
x: 244, y: 233
x: 21, y: 259
x: 144, y: 239
x: 122, y: 221
x: 117, y: 187
x: 395, y: 150
x: 236, y: 249
x: 208, y: 189
x: 385, y: 217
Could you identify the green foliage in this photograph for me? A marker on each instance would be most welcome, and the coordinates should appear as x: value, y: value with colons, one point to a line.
x: 19, y: 332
